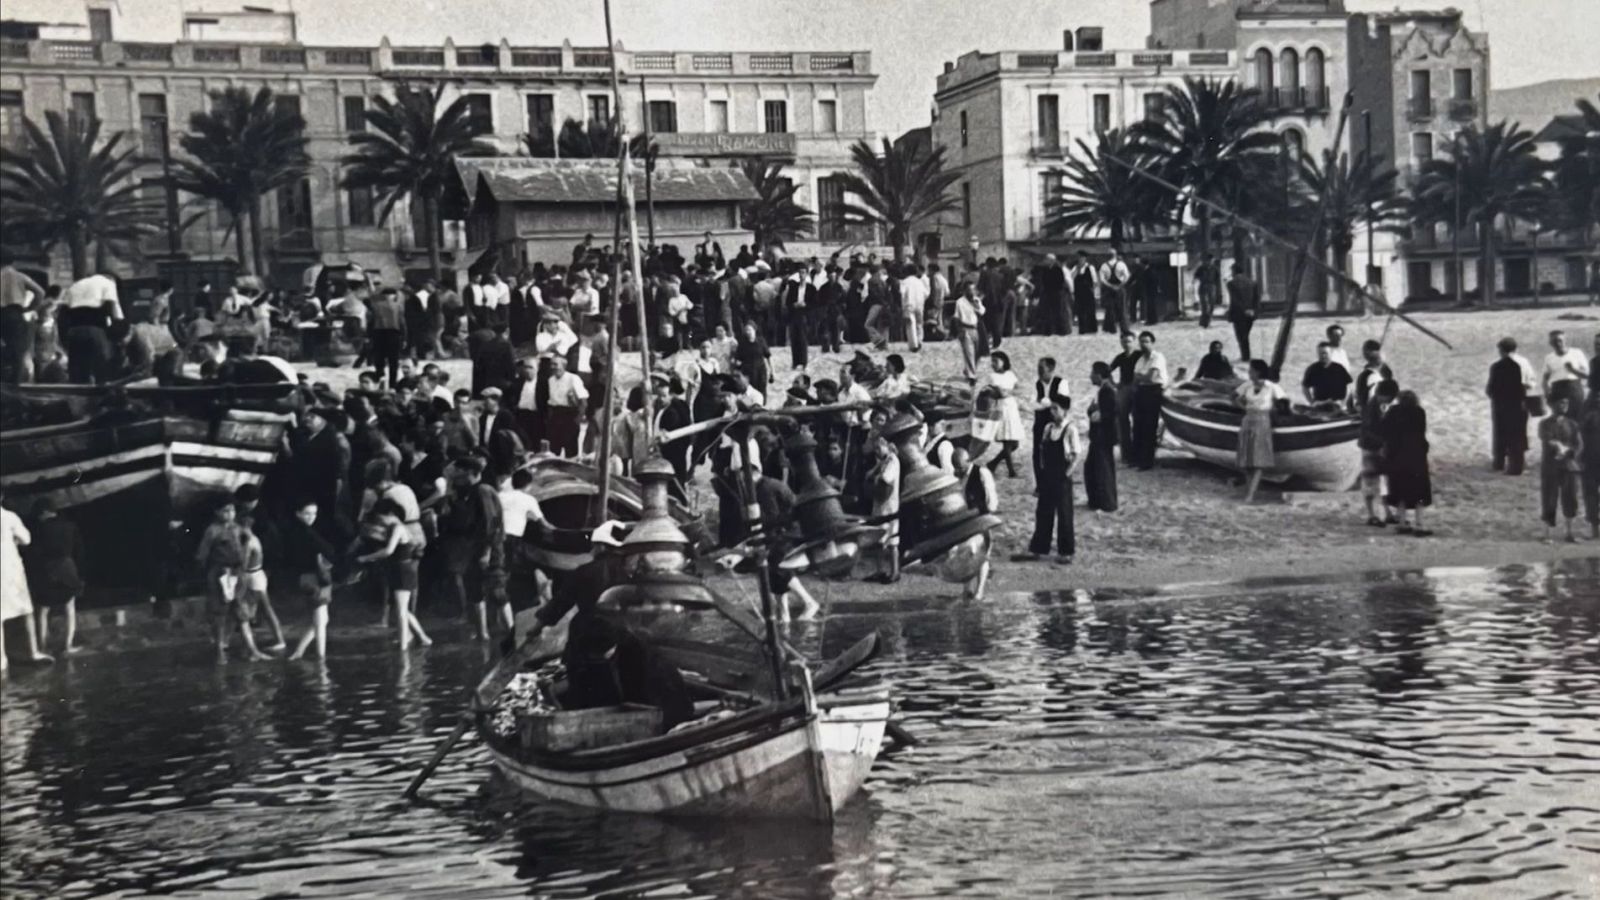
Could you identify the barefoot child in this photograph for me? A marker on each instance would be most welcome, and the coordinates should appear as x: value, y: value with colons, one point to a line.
x: 221, y: 555
x: 1559, y: 465
x: 308, y: 562
x: 252, y: 590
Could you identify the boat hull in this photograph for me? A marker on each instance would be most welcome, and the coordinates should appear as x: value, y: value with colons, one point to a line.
x: 1321, y: 453
x: 566, y: 491
x: 797, y: 766
x: 125, y: 486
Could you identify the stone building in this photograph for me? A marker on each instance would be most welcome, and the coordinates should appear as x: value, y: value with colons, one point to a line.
x: 1008, y: 119
x: 804, y: 108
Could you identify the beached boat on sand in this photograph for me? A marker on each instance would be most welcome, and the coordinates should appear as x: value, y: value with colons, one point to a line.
x: 127, y: 474
x: 1318, y: 449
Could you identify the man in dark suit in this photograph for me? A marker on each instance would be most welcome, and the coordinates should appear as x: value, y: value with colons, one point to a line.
x: 494, y: 361
x: 672, y: 412
x: 497, y: 432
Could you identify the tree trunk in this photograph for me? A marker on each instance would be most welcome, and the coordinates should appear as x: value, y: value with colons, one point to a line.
x: 256, y: 255
x: 1486, y: 272
x: 245, y: 266
x: 1534, y: 265
x: 78, y: 249
x: 430, y: 215
x: 1342, y: 263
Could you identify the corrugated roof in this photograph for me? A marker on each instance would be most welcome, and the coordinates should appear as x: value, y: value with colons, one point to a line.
x: 519, y: 179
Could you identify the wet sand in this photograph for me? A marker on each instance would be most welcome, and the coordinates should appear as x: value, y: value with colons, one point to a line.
x: 1186, y: 522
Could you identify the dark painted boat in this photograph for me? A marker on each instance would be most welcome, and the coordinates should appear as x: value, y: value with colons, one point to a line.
x: 136, y: 469
x: 1317, y: 449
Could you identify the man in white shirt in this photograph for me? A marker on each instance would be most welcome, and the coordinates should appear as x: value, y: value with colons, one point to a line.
x: 584, y: 302
x: 1565, y: 371
x: 969, y: 309
x: 1150, y: 383
x: 913, y: 305
x: 497, y: 298
x: 938, y: 295
x: 554, y: 336
x: 518, y: 507
x: 94, y: 292
x: 1114, y: 277
x: 567, y: 398
x: 851, y: 391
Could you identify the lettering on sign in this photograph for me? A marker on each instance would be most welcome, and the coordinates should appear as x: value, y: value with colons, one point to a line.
x: 726, y: 144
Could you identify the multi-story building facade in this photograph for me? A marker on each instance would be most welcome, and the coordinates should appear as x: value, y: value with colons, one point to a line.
x: 805, y: 108
x: 1007, y: 121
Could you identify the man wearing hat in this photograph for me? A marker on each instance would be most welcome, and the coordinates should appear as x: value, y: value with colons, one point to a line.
x: 607, y: 663
x: 497, y: 432
x: 472, y: 536
x: 1059, y: 452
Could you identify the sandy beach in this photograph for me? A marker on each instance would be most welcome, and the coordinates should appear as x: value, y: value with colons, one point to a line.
x: 1185, y: 521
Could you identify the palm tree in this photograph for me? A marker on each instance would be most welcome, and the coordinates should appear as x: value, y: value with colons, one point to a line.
x: 410, y: 151
x: 1098, y: 194
x: 774, y: 217
x: 60, y: 188
x: 243, y: 147
x: 1577, y: 173
x: 1489, y: 175
x: 1211, y: 138
x: 900, y: 188
x: 1361, y: 192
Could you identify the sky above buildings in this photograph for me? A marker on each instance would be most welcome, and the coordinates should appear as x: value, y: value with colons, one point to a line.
x: 1532, y: 40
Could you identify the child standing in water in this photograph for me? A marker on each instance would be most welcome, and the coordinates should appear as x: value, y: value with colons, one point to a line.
x: 222, y: 555
x: 308, y: 562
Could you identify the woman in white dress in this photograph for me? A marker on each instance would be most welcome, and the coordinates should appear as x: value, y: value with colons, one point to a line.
x: 15, y: 600
x: 1001, y: 382
x: 1259, y: 396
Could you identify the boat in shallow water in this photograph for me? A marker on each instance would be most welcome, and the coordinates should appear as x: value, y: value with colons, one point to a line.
x: 1314, y: 448
x: 745, y: 755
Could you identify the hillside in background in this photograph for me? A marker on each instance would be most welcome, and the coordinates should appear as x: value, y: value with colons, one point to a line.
x: 1534, y: 105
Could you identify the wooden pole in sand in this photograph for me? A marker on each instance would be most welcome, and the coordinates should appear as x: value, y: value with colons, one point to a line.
x: 602, y: 509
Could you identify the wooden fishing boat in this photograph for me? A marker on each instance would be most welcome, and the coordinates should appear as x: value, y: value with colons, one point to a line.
x: 1318, y: 449
x: 136, y: 478
x: 803, y: 757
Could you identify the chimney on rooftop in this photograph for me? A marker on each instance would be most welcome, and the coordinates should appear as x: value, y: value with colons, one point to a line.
x: 1066, y: 40
x: 1091, y: 39
x: 949, y: 67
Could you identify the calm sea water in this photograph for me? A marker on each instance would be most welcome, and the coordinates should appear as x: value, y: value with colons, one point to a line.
x: 1433, y: 732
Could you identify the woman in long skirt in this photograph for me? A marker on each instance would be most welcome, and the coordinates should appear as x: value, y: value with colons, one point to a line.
x: 1405, y: 461
x: 1259, y: 396
x: 15, y: 600
x: 1100, y: 465
x: 1002, y: 383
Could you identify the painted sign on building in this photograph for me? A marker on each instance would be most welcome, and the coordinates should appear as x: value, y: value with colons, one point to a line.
x: 726, y: 144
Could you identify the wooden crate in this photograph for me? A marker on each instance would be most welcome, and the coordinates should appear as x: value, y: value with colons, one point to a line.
x: 559, y: 731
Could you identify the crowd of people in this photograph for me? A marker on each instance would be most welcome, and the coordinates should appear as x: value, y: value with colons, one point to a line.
x: 424, y: 486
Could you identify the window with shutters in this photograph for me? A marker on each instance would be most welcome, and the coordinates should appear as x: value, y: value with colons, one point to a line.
x: 1049, y: 122
x: 83, y: 106
x: 362, y: 210
x: 355, y: 114
x: 966, y: 204
x: 11, y: 114
x: 599, y: 107
x: 775, y: 116
x: 663, y: 116
x: 542, y: 124
x: 100, y: 25
x: 152, y: 123
x: 1102, y: 112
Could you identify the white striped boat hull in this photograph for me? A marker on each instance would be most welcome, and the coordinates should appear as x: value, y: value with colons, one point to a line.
x: 1322, y: 454
x: 801, y: 766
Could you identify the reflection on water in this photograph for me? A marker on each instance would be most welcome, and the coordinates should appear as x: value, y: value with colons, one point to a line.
x: 1433, y: 731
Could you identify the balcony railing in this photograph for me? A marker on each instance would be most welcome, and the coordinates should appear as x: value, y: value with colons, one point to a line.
x: 1047, y: 145
x: 1152, y: 59
x: 1419, y: 109
x: 434, y: 60
x: 771, y: 62
x: 1210, y: 58
x: 1463, y: 109
x: 1037, y: 60
x: 1094, y: 60
x: 1309, y: 99
x: 537, y: 59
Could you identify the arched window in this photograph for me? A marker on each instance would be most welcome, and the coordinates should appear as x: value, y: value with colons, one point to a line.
x: 1316, y: 78
x: 1263, y: 73
x: 1289, y: 77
